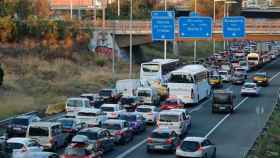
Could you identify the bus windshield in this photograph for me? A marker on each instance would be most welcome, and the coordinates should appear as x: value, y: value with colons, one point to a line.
x: 252, y: 58
x: 181, y: 79
x: 150, y: 67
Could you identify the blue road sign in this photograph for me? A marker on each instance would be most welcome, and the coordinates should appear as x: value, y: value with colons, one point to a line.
x: 234, y: 27
x: 195, y: 27
x: 163, y: 25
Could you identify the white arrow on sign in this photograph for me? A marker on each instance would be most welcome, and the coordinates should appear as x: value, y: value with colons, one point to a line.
x: 233, y: 34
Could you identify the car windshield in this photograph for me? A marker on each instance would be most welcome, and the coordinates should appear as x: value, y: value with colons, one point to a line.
x: 38, y: 131
x: 127, y: 100
x: 143, y: 110
x: 105, y: 93
x: 75, y: 152
x: 260, y: 75
x: 223, y: 73
x: 160, y: 135
x: 87, y: 114
x: 249, y: 86
x: 169, y: 118
x: 177, y: 78
x: 222, y: 98
x: 111, y: 126
x: 171, y: 101
x: 143, y: 93
x: 128, y: 117
x: 90, y: 135
x: 215, y: 77
x: 66, y: 123
x: 150, y: 67
x: 20, y: 121
x: 189, y: 146
x: 107, y: 109
x: 74, y: 103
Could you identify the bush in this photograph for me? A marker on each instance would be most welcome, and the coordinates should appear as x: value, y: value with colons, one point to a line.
x: 100, y: 61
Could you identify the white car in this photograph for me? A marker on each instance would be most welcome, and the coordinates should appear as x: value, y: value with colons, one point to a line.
x: 92, y: 117
x: 225, y: 75
x: 150, y: 113
x: 18, y: 146
x: 113, y: 111
x: 177, y: 119
x: 250, y: 88
x: 196, y: 147
x: 74, y: 105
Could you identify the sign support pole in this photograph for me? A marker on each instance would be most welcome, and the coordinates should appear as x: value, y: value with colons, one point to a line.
x: 194, y: 51
x: 165, y: 42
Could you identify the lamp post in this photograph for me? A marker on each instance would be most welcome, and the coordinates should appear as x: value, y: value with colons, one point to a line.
x: 165, y: 42
x: 194, y: 49
x: 71, y: 9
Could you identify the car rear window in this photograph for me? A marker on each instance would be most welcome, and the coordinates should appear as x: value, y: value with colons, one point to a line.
x: 221, y: 98
x: 127, y: 101
x: 160, y: 135
x: 20, y: 121
x: 38, y: 131
x: 111, y: 126
x: 107, y: 109
x: 90, y: 135
x: 75, y: 152
x: 105, y: 93
x: 74, y: 103
x: 128, y: 117
x: 143, y: 110
x: 171, y: 101
x: 67, y: 123
x: 249, y: 86
x: 88, y: 114
x: 169, y: 118
x: 190, y: 146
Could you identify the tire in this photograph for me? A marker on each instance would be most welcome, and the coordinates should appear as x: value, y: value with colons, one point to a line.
x: 214, y: 154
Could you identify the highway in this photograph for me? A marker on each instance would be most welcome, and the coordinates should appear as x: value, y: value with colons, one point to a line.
x: 233, y: 134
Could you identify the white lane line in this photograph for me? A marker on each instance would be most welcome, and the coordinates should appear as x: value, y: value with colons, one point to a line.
x: 220, y: 122
x: 240, y: 103
x: 131, y: 149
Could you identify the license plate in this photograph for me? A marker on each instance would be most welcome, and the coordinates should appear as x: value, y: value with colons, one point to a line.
x: 17, y: 129
x: 222, y: 108
x: 158, y: 147
x: 260, y: 81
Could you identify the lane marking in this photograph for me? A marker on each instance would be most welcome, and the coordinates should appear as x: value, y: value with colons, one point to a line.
x: 130, y: 150
x: 236, y: 107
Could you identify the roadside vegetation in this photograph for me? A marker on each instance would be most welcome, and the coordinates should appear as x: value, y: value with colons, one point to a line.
x: 268, y: 144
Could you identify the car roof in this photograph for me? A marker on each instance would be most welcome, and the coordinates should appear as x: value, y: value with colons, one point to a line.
x: 19, y: 140
x: 90, y: 110
x: 109, y: 105
x: 223, y: 91
x: 89, y: 94
x: 162, y: 130
x: 114, y: 121
x: 250, y: 83
x: 170, y: 112
x: 76, y: 98
x: 146, y: 106
x: 93, y: 129
x: 26, y: 116
x: 195, y: 139
x: 130, y: 113
x: 44, y: 124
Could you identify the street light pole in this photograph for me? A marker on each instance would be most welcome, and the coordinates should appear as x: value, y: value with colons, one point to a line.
x: 130, y: 41
x: 71, y: 9
x: 119, y: 8
x: 194, y: 51
x: 165, y: 42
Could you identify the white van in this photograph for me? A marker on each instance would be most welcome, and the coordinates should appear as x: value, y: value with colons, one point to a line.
x: 91, y: 117
x: 177, y: 119
x: 148, y: 95
x: 127, y: 87
x: 74, y: 105
x: 48, y: 134
x: 113, y: 111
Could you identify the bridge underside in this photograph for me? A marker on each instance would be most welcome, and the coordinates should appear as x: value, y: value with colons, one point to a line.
x: 257, y: 13
x: 123, y: 40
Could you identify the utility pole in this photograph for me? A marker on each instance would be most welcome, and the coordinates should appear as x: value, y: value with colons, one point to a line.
x: 194, y: 49
x: 71, y: 9
x: 119, y: 8
x: 130, y: 40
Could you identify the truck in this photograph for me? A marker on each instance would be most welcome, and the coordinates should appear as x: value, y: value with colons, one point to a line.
x: 148, y: 95
x: 223, y: 101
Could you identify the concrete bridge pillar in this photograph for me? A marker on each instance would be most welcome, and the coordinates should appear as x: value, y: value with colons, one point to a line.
x: 175, y: 48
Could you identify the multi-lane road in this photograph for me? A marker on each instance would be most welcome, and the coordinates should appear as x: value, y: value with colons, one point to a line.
x: 234, y: 134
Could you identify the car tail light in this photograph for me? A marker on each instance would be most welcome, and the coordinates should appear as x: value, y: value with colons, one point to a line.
x: 200, y: 148
x: 51, y: 141
x: 169, y: 141
x: 150, y: 113
x: 149, y: 141
x: 114, y: 113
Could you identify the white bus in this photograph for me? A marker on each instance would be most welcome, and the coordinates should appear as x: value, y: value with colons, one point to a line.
x: 254, y: 60
x: 190, y: 84
x: 158, y: 69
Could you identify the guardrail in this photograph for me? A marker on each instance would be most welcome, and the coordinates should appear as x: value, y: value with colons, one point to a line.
x: 6, y: 121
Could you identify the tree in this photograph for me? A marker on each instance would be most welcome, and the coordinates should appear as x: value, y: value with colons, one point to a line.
x: 42, y: 8
x: 7, y: 28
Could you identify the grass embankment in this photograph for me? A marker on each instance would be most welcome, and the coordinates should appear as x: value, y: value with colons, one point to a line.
x: 32, y: 81
x: 268, y: 144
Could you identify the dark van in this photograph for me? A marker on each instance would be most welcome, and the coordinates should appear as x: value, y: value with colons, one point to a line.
x: 223, y: 101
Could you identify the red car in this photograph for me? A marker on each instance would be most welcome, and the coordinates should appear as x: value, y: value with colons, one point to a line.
x: 172, y: 103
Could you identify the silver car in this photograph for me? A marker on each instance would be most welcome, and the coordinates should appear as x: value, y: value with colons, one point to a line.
x: 196, y: 147
x: 250, y: 89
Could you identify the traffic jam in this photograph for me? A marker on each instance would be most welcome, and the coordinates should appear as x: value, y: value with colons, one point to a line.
x: 94, y: 124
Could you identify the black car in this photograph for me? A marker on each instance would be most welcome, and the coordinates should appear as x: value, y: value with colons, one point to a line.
x: 17, y: 127
x: 130, y: 103
x: 163, y: 139
x: 109, y: 95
